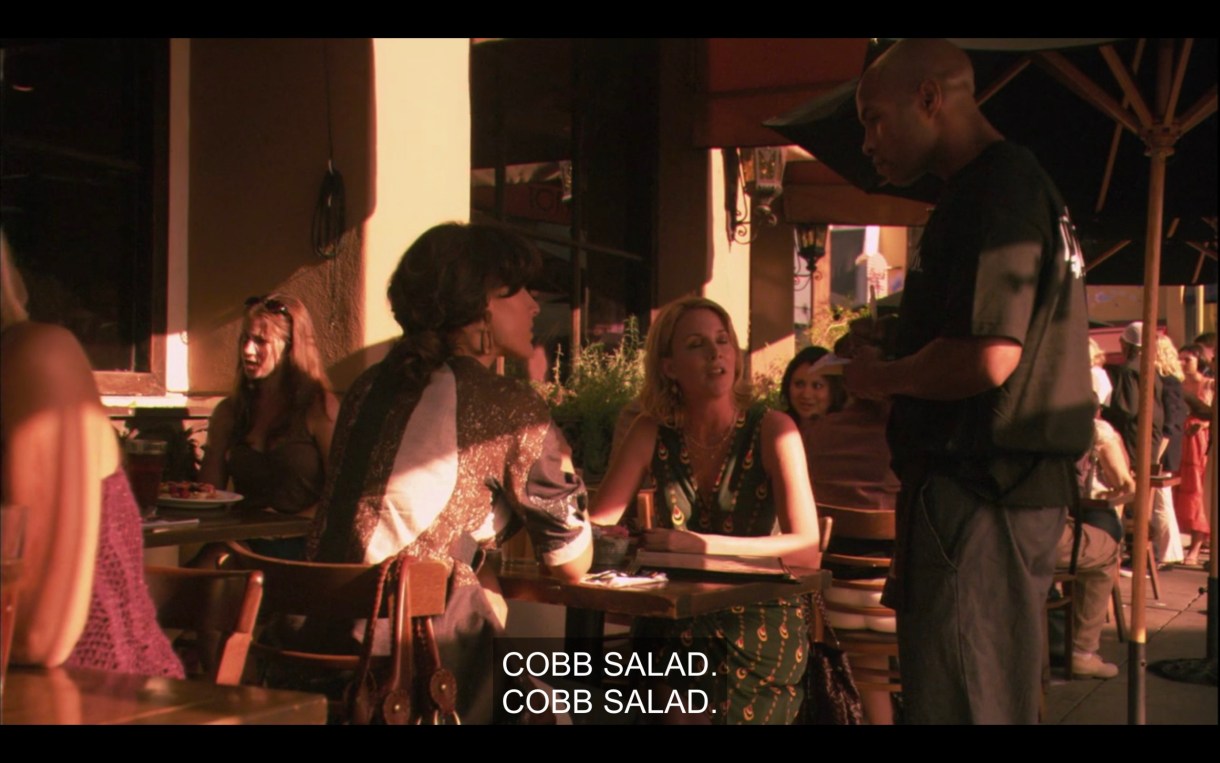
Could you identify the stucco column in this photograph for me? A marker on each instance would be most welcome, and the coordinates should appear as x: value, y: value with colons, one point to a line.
x: 422, y: 149
x: 772, y: 340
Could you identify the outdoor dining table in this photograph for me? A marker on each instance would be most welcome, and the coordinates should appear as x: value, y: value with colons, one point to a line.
x: 588, y: 604
x: 74, y: 696
x: 238, y: 526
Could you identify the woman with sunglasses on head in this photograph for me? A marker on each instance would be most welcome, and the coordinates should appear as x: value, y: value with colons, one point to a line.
x: 437, y: 457
x: 731, y: 479
x: 272, y: 436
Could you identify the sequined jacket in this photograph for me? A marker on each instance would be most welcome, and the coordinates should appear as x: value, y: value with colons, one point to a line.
x: 471, y: 457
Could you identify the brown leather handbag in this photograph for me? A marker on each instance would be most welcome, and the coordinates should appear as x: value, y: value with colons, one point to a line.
x: 831, y: 696
x: 415, y: 688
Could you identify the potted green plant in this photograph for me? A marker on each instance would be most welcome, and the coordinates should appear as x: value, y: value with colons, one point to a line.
x: 829, y: 324
x: 766, y: 386
x: 586, y: 405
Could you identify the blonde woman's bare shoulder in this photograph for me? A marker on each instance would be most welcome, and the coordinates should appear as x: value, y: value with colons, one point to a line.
x: 45, y: 363
x: 645, y: 421
x: 776, y: 424
x: 642, y: 433
x: 27, y: 340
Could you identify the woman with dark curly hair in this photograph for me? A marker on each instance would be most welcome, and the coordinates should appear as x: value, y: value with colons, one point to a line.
x: 437, y: 457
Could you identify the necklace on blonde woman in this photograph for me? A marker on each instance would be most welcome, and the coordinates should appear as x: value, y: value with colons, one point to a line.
x: 704, y: 446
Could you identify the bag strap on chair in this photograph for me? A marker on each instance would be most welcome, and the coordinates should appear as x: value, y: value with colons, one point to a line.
x: 418, y: 688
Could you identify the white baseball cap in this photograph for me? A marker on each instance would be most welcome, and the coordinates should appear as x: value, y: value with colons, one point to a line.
x: 1134, y: 333
x: 830, y: 365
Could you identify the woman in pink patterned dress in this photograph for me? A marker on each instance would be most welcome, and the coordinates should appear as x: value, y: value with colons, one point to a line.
x: 83, y: 599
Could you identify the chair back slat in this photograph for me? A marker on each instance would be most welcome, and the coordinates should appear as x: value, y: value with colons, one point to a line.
x: 873, y: 654
x: 847, y: 560
x: 219, y: 606
x: 339, y: 591
x: 341, y: 594
x: 861, y: 524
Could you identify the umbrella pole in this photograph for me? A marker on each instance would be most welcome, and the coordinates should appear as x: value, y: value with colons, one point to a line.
x: 1137, y: 662
x: 1160, y: 140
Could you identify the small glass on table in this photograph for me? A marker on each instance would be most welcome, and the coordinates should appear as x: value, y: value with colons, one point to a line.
x: 145, y: 463
x: 12, y: 545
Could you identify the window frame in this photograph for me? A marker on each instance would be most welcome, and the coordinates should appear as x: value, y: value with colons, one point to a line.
x: 150, y: 253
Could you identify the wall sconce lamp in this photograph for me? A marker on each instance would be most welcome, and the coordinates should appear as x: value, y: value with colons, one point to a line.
x: 753, y: 179
x: 810, y: 242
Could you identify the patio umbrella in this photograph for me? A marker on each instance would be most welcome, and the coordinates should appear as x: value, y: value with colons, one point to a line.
x: 1103, y: 174
x: 1159, y: 103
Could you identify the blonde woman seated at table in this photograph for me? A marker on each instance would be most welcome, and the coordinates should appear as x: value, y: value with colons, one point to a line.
x: 272, y: 435
x: 83, y: 600
x: 731, y: 479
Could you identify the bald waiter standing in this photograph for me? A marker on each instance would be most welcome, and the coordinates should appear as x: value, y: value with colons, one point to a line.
x: 991, y: 388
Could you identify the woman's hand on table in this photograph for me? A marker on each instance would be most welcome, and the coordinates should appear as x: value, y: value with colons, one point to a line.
x: 674, y: 540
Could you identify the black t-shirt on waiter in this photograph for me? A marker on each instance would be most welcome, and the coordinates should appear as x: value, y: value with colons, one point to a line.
x: 999, y: 258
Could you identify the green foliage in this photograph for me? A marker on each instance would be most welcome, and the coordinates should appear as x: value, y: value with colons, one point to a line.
x: 829, y: 324
x: 766, y: 386
x: 586, y: 405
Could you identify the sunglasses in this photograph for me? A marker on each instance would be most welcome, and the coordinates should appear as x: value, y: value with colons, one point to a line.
x: 271, y: 305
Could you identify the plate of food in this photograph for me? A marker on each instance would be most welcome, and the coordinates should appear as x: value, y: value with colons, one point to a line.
x: 194, y: 496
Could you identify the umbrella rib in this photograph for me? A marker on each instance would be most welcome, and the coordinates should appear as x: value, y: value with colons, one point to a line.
x: 1205, y: 107
x: 1178, y: 76
x: 1004, y: 78
x: 1106, y: 255
x: 1130, y: 89
x: 1076, y: 81
x: 1202, y: 249
x: 1108, y: 175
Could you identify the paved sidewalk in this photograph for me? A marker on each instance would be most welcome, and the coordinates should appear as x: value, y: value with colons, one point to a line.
x: 1177, y: 627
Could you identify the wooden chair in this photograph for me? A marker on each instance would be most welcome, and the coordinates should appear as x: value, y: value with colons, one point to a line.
x: 1149, y: 558
x: 867, y: 525
x: 341, y: 594
x: 219, y: 607
x: 1116, y: 606
x: 1064, y: 582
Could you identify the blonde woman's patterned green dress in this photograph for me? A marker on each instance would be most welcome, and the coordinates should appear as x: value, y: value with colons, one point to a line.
x: 758, y: 653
